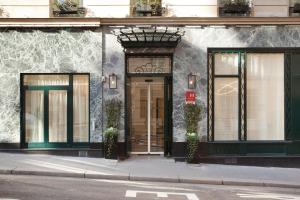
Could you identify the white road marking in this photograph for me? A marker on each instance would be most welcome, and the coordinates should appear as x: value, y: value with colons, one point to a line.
x: 275, y: 196
x: 61, y: 167
x: 144, y: 185
x: 7, y: 199
x: 133, y: 194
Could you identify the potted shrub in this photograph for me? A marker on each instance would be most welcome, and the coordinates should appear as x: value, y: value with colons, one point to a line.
x: 111, y: 142
x: 240, y: 7
x: 192, y: 117
x: 113, y: 113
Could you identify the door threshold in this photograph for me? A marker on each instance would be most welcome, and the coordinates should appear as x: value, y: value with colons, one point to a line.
x: 146, y: 153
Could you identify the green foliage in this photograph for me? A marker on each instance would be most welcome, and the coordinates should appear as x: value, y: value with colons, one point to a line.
x: 235, y: 2
x: 66, y: 5
x: 113, y: 113
x: 192, y: 117
x: 192, y: 140
x: 111, y: 138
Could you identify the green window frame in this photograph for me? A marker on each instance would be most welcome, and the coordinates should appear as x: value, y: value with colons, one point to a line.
x: 242, y: 91
x: 45, y: 89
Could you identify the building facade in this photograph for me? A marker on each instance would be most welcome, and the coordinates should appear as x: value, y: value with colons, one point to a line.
x: 58, y: 73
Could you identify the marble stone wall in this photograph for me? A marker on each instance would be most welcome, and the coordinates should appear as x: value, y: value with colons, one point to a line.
x: 38, y: 51
x: 72, y: 50
x: 114, y: 62
x: 191, y: 56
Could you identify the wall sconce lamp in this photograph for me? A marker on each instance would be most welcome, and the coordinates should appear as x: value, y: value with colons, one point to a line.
x: 113, y: 81
x: 191, y: 81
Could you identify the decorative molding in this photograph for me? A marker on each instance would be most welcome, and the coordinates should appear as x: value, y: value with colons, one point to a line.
x: 164, y: 21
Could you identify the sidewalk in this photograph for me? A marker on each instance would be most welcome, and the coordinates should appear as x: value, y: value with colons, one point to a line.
x: 148, y: 168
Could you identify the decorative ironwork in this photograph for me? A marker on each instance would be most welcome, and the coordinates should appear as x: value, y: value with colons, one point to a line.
x: 149, y: 68
x: 210, y: 97
x: 149, y: 37
x: 242, y: 97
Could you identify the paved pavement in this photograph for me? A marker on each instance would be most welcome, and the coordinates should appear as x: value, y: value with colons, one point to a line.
x: 49, y: 188
x: 148, y: 168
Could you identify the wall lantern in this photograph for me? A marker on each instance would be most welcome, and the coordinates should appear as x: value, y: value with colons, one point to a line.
x: 191, y: 81
x: 113, y: 81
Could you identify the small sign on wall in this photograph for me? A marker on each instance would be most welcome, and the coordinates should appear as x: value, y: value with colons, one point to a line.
x: 190, y: 97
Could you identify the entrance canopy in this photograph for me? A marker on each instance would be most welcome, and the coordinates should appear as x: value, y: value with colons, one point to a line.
x: 149, y: 37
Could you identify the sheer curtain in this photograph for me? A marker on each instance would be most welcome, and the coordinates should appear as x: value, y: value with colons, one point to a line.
x: 265, y: 96
x: 57, y: 116
x: 80, y: 108
x: 34, y: 116
x: 226, y: 114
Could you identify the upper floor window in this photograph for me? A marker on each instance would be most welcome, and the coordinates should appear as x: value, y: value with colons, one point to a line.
x: 147, y: 8
x: 69, y: 8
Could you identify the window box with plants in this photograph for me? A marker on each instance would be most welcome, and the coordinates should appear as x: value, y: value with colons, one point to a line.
x: 70, y: 8
x: 192, y: 114
x: 235, y: 8
x: 148, y: 8
x: 113, y: 113
x: 295, y: 11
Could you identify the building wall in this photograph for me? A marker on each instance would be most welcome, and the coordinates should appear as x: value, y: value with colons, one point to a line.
x: 37, y: 51
x: 77, y: 50
x: 191, y: 56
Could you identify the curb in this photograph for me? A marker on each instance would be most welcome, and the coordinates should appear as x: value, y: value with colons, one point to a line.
x: 150, y: 179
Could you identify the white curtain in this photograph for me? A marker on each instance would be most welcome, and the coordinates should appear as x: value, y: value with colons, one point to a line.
x: 265, y: 96
x: 226, y: 115
x: 34, y: 116
x: 46, y: 79
x: 226, y: 64
x: 80, y: 108
x: 57, y: 116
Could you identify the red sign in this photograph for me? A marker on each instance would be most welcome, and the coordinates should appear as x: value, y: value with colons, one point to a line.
x: 190, y: 97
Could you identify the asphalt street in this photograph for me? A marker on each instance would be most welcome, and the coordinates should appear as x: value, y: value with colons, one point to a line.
x: 16, y: 187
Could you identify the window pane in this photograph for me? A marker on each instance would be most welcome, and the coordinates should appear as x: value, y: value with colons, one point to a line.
x: 265, y: 97
x: 226, y: 106
x: 149, y: 65
x: 80, y: 108
x: 58, y: 116
x: 34, y: 116
x: 226, y: 64
x: 46, y: 80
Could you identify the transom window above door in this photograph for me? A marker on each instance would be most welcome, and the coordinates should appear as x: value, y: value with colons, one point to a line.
x: 149, y: 64
x: 54, y: 110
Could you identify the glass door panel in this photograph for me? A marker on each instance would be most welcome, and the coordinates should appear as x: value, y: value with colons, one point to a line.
x: 58, y: 115
x: 139, y: 115
x: 146, y: 108
x: 34, y: 116
x: 157, y: 115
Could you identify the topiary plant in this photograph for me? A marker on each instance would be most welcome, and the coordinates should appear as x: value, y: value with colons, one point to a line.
x: 111, y: 139
x: 192, y: 140
x: 113, y: 113
x: 192, y: 117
